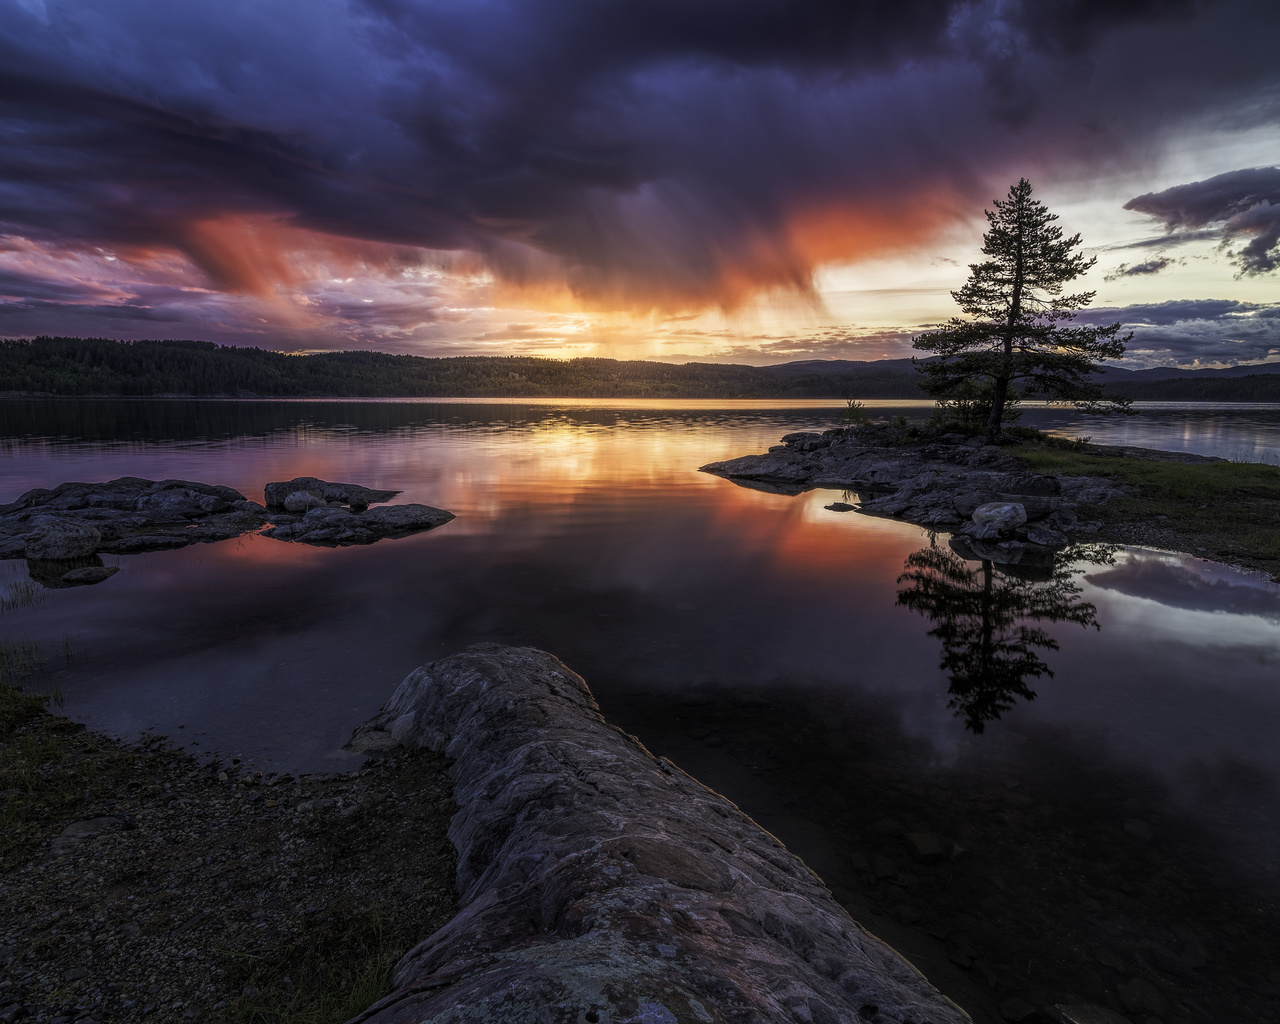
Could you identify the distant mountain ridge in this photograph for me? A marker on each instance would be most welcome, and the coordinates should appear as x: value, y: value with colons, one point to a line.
x: 103, y: 367
x: 1113, y: 372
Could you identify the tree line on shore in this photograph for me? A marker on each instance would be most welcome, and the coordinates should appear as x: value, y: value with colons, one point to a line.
x: 100, y: 366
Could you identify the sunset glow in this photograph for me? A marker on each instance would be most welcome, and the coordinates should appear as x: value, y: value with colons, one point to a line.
x: 372, y: 176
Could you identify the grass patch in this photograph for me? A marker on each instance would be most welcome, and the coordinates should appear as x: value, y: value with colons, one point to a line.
x: 1227, y: 509
x: 49, y: 765
x: 336, y: 921
x: 338, y: 965
x: 22, y: 594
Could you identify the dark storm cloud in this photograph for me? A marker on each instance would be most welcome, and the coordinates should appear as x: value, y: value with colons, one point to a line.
x: 1244, y: 202
x: 643, y: 152
x: 1187, y: 331
x: 1175, y: 311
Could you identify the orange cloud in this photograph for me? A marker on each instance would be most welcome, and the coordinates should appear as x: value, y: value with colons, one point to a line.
x: 847, y: 231
x: 268, y: 258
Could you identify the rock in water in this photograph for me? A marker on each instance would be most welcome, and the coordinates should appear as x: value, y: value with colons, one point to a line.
x: 332, y: 526
x: 600, y: 883
x: 125, y: 515
x: 89, y: 575
x: 59, y: 540
x: 302, y: 501
x: 354, y: 495
x: 1005, y: 516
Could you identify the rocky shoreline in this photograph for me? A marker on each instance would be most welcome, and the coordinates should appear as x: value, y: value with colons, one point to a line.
x: 63, y: 531
x: 994, y: 506
x: 600, y: 883
x: 592, y: 881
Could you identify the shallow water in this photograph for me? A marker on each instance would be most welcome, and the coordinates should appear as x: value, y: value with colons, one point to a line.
x: 758, y: 639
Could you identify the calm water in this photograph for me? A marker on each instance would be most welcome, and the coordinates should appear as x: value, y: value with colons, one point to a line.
x: 760, y: 640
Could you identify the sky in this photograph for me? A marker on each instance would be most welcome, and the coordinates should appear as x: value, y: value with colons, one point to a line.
x: 729, y: 180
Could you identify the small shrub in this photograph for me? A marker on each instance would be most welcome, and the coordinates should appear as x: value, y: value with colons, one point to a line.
x: 855, y: 413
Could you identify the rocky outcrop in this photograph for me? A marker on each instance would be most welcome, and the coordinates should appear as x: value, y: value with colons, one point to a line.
x: 79, y: 520
x: 328, y: 525
x: 944, y: 484
x: 278, y: 493
x: 62, y: 530
x: 600, y: 883
x: 59, y: 540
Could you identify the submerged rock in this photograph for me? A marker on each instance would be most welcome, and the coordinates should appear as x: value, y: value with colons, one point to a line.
x: 60, y: 573
x: 88, y: 575
x: 600, y: 883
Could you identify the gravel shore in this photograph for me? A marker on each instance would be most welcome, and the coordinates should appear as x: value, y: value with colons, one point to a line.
x: 175, y: 890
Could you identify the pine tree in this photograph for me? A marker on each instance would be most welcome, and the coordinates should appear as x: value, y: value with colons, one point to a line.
x: 1019, y: 329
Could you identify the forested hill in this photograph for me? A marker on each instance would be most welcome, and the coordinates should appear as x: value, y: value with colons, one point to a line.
x: 97, y: 366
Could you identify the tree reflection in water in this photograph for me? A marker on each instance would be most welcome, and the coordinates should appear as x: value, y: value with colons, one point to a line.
x: 987, y: 617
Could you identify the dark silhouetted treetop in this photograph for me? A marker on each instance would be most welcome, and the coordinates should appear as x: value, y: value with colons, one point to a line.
x: 1018, y: 329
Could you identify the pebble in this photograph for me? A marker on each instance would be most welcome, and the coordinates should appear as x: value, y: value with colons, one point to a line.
x: 129, y: 910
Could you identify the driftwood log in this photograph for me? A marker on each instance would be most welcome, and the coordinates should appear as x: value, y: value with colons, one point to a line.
x: 599, y: 883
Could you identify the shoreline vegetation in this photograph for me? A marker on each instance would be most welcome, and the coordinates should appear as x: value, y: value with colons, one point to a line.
x: 1220, y: 510
x: 102, y: 368
x: 141, y: 883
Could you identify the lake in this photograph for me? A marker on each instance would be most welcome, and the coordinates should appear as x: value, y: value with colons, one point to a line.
x: 1110, y: 804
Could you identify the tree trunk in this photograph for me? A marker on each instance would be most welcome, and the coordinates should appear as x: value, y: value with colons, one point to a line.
x: 998, y: 396
x: 1000, y: 391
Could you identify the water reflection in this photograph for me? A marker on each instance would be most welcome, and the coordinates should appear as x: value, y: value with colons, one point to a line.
x: 988, y: 620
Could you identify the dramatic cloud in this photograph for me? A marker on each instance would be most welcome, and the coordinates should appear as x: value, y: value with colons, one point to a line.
x: 1244, y: 202
x: 1203, y: 332
x: 279, y: 167
x: 1147, y: 267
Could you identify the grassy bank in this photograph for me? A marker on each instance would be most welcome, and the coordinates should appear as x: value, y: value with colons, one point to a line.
x: 1228, y: 511
x: 142, y: 884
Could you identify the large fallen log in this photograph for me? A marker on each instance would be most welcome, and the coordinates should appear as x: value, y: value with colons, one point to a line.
x: 599, y: 883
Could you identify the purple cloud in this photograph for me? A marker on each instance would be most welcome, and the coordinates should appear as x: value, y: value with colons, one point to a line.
x: 1244, y: 202
x: 634, y: 153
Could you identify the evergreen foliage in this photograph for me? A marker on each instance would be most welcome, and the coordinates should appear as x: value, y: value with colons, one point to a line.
x: 105, y: 368
x: 1018, y: 328
x: 98, y: 366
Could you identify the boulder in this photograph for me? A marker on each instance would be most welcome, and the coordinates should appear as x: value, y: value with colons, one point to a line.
x: 303, y: 502
x: 333, y: 526
x: 347, y: 494
x: 395, y: 519
x: 89, y: 575
x: 1046, y: 537
x: 79, y: 832
x: 600, y: 883
x: 52, y: 573
x: 61, y: 539
x: 1006, y: 516
x: 181, y: 503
